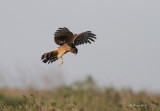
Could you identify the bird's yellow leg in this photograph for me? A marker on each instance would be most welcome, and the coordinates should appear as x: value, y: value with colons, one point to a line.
x: 61, y: 61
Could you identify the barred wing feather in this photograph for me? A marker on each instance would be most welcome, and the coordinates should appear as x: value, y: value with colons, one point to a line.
x: 62, y: 36
x: 84, y: 37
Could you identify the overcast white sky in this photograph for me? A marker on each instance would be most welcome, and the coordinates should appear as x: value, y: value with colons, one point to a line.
x: 126, y: 53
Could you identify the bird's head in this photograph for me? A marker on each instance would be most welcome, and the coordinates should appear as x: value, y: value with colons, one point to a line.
x: 74, y: 50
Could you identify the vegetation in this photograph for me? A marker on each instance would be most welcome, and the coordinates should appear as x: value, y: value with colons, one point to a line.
x: 80, y: 96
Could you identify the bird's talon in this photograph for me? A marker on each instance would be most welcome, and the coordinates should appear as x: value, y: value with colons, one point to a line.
x: 61, y: 62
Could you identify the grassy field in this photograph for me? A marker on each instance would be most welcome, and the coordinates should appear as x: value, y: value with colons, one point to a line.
x: 80, y: 96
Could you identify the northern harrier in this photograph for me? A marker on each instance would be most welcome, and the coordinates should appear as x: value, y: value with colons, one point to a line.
x: 67, y: 41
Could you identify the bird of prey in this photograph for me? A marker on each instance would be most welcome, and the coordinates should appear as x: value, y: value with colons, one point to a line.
x: 68, y: 42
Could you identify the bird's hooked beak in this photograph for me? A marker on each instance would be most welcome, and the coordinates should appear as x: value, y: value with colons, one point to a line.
x: 75, y: 52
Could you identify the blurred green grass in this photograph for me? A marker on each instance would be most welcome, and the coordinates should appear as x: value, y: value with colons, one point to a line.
x: 80, y: 96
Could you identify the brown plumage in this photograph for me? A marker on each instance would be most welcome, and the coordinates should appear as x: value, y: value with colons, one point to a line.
x: 67, y: 41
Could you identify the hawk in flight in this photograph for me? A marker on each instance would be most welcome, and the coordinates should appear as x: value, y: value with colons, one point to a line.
x: 68, y: 42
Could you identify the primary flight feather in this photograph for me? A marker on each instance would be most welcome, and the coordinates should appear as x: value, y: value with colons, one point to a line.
x: 68, y: 42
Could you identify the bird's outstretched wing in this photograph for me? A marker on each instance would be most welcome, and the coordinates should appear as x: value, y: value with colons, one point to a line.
x: 62, y: 36
x: 84, y: 37
x: 50, y: 56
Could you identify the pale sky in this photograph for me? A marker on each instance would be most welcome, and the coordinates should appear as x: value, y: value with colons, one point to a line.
x: 125, y: 54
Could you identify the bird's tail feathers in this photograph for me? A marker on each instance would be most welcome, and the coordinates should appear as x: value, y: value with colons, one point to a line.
x: 50, y: 57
